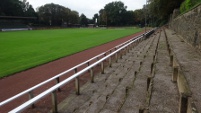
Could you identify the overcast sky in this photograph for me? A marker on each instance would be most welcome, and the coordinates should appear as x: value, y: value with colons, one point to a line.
x: 88, y: 7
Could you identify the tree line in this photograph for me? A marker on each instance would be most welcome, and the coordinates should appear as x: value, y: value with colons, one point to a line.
x: 54, y: 14
x: 113, y: 14
x: 16, y: 8
x: 156, y: 12
x: 159, y: 11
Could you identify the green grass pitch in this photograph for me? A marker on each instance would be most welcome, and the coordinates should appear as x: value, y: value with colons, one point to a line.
x: 22, y: 50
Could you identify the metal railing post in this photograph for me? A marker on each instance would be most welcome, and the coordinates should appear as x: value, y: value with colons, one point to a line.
x: 102, y: 67
x: 125, y: 50
x: 116, y: 57
x: 128, y: 48
x: 92, y: 75
x: 57, y: 81
x: 54, y: 102
x: 77, y: 83
x: 31, y: 95
x: 88, y: 65
x: 121, y: 54
x: 110, y: 62
x: 110, y: 51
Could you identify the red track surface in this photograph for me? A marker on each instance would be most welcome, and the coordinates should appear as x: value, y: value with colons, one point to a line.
x: 19, y: 82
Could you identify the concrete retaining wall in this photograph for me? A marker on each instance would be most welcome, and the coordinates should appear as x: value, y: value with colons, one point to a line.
x: 188, y: 25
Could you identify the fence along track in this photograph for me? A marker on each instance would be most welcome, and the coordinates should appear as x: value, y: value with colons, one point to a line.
x: 103, y: 56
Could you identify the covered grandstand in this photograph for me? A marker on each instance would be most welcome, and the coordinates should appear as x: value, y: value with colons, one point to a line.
x: 13, y: 23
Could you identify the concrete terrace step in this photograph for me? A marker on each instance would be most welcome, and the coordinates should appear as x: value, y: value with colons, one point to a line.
x: 165, y: 95
x: 139, y: 82
x: 109, y: 90
x: 190, y: 63
x: 137, y: 96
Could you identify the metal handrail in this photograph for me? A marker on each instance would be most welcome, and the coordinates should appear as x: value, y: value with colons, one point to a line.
x: 45, y: 82
x: 59, y: 75
x: 55, y: 87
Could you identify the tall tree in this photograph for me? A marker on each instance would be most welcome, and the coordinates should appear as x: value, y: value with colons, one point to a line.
x: 11, y: 8
x: 95, y: 18
x: 102, y: 17
x: 54, y: 14
x: 139, y: 17
x: 114, y: 12
x: 27, y: 9
x: 16, y: 8
x: 128, y: 18
x: 74, y: 17
x: 161, y: 9
x: 83, y: 20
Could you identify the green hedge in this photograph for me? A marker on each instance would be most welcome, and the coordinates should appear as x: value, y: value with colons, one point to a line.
x: 188, y: 4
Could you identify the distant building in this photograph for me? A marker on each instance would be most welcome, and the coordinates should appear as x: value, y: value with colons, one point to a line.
x: 91, y: 25
x: 13, y: 23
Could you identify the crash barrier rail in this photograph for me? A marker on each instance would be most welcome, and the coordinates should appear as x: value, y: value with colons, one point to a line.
x: 53, y: 89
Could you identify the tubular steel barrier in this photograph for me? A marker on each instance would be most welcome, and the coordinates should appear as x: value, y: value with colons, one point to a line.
x: 75, y: 76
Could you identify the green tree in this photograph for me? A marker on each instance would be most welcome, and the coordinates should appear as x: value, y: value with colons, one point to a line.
x: 160, y: 10
x: 139, y: 17
x: 83, y: 20
x: 96, y: 18
x: 16, y: 8
x: 11, y: 8
x: 27, y: 9
x: 73, y: 17
x: 128, y: 18
x: 187, y: 4
x: 114, y: 13
x: 102, y: 17
x: 54, y: 14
